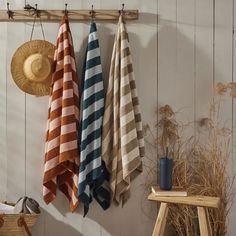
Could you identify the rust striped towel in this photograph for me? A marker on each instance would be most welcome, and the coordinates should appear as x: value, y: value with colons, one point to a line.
x: 122, y: 141
x: 61, y: 149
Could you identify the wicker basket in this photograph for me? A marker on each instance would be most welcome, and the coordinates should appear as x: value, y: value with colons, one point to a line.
x: 17, y: 224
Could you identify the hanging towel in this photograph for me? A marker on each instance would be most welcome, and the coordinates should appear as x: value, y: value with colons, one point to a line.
x: 61, y: 150
x: 122, y: 140
x: 92, y: 173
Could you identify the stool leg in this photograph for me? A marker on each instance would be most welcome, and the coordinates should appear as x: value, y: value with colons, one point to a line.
x: 208, y: 223
x: 160, y: 224
x: 204, y: 223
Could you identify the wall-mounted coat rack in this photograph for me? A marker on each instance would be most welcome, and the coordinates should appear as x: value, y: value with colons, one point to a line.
x: 29, y: 12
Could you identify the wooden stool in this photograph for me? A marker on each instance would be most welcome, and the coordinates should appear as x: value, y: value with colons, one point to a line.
x: 201, y: 202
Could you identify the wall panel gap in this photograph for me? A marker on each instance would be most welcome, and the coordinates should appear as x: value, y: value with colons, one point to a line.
x: 204, y: 71
x: 213, y: 45
x: 3, y: 114
x: 195, y: 69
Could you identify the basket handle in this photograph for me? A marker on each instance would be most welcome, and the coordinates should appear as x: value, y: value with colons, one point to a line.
x: 1, y: 221
x: 21, y: 223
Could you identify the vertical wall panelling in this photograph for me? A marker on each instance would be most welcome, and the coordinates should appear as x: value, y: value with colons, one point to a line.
x: 232, y: 215
x: 233, y: 80
x: 223, y: 52
x: 183, y: 85
x: 223, y: 58
x: 167, y: 51
x: 15, y: 120
x: 106, y: 36
x: 3, y: 120
x: 204, y: 38
x: 224, y: 69
x: 176, y: 57
x: 77, y: 29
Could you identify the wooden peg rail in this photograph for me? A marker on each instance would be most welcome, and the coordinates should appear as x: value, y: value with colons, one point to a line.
x: 73, y: 15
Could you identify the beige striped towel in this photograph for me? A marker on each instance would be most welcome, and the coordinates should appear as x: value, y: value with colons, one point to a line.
x: 61, y: 149
x: 122, y: 141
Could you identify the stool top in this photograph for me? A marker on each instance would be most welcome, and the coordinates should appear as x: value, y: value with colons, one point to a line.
x: 203, y: 201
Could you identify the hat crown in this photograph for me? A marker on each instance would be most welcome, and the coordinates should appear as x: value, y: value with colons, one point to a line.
x: 37, y: 67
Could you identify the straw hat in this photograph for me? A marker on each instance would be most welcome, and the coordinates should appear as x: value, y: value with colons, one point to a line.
x: 32, y: 67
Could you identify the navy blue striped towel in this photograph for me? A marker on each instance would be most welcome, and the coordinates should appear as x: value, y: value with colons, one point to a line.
x: 93, y: 175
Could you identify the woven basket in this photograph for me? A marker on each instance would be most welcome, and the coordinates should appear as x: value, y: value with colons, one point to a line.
x: 17, y: 224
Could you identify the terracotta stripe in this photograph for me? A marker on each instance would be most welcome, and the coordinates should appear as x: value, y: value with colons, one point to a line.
x: 60, y: 73
x: 52, y: 173
x: 48, y: 198
x: 65, y: 177
x: 62, y: 121
x: 52, y: 153
x: 65, y: 52
x: 58, y: 112
x: 72, y: 154
x: 51, y: 185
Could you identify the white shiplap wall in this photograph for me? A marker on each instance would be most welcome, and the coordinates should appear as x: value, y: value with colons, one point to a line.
x: 195, y: 50
x: 23, y: 119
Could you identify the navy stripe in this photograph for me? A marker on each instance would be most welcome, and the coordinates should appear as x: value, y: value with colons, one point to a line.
x: 93, y: 27
x: 91, y: 118
x: 93, y: 62
x: 89, y: 158
x: 90, y: 138
x: 90, y: 177
x: 93, y: 44
x: 95, y: 97
x: 85, y: 198
x: 91, y: 81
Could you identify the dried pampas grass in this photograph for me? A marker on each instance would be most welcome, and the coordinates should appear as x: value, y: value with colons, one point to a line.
x: 200, y: 167
x: 221, y: 89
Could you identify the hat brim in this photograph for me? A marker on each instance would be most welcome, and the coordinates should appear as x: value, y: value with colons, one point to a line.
x: 17, y: 64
